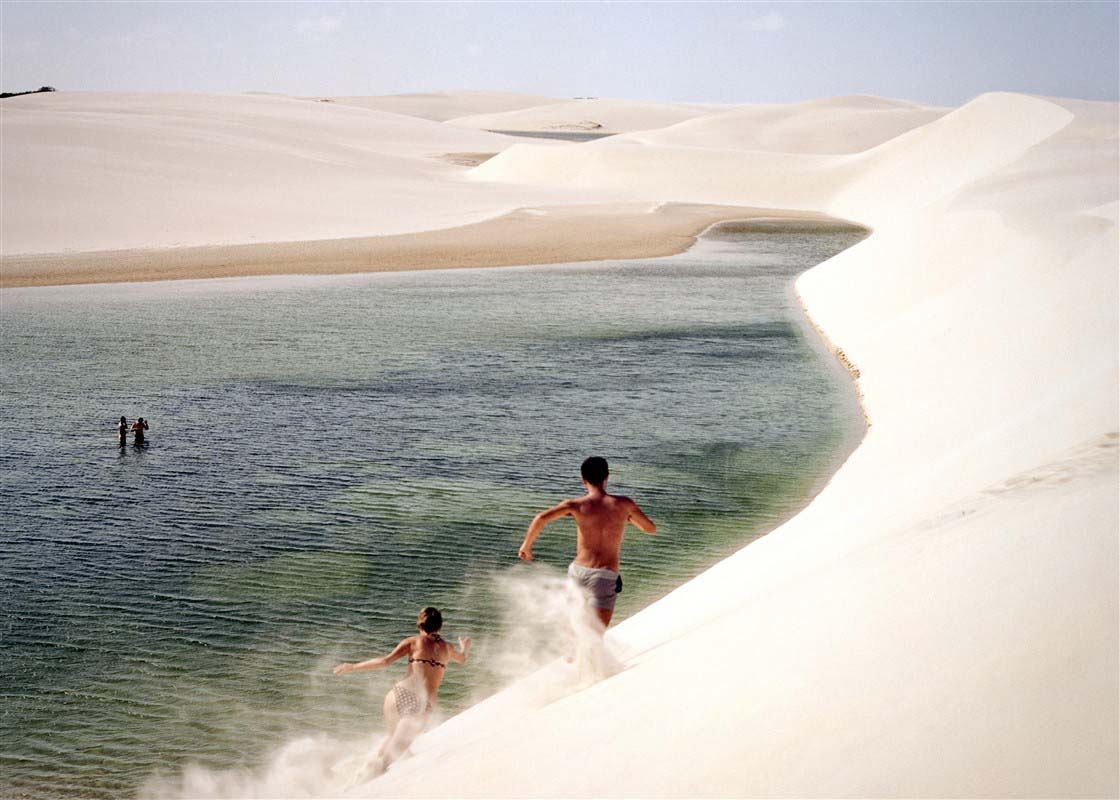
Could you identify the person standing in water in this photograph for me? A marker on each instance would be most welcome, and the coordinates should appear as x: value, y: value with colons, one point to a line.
x: 138, y: 428
x: 409, y: 703
x: 601, y: 520
x: 122, y: 431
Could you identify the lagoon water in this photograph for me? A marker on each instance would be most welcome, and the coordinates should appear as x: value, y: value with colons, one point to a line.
x: 329, y: 454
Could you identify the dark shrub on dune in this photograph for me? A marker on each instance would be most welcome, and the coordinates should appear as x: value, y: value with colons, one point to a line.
x: 32, y: 91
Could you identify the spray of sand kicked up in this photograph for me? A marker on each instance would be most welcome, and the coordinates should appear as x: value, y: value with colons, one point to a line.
x: 549, y: 645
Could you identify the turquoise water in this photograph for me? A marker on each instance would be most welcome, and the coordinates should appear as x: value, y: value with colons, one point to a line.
x: 327, y: 455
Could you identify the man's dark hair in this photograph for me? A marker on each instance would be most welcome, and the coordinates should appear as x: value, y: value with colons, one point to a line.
x: 430, y: 620
x: 594, y: 470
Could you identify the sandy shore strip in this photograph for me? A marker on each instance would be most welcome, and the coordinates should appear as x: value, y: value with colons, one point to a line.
x: 548, y: 235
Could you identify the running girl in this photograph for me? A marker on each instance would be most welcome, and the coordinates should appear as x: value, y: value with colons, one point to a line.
x: 408, y: 704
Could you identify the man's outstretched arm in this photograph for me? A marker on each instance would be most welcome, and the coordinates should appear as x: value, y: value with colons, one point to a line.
x: 564, y: 509
x: 639, y: 519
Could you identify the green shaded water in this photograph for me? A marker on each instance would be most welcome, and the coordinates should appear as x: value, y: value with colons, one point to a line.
x: 327, y: 455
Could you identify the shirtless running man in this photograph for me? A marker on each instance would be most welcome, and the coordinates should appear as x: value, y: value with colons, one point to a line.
x: 600, y: 522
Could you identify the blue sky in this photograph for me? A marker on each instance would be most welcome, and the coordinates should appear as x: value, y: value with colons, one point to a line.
x: 934, y: 52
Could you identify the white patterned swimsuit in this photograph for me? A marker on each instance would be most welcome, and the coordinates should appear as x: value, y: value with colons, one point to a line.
x: 409, y: 702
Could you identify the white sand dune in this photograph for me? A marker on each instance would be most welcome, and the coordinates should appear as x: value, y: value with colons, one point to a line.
x: 906, y: 172
x: 107, y: 171
x: 836, y: 125
x: 942, y: 619
x: 590, y: 115
x: 442, y: 106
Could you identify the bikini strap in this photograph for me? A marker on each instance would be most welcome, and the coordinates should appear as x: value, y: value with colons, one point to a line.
x: 431, y: 661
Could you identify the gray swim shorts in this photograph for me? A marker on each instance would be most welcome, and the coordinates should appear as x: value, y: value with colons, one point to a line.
x: 602, y: 585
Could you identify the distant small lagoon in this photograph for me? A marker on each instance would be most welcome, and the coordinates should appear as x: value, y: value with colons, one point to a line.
x: 566, y: 136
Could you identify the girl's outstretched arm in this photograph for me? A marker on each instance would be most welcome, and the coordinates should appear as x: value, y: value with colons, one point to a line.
x: 377, y: 663
x: 460, y: 656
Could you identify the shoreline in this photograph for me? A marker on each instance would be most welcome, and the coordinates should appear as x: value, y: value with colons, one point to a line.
x: 919, y: 609
x: 793, y: 312
x: 843, y: 362
x: 552, y: 235
x: 857, y: 424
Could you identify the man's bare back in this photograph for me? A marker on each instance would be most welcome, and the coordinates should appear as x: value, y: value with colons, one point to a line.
x: 601, y: 520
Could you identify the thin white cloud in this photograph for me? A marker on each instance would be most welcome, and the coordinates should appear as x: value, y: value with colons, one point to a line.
x: 768, y: 22
x: 319, y: 28
x: 143, y: 34
x: 24, y: 48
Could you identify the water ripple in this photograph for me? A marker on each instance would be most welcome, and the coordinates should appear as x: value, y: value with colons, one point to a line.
x: 325, y: 458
